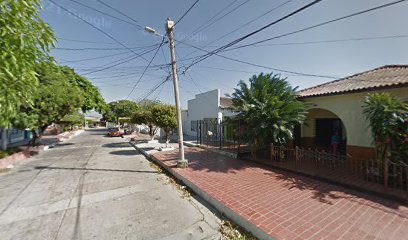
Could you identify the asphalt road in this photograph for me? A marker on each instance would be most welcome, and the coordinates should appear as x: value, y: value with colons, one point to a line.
x: 95, y: 187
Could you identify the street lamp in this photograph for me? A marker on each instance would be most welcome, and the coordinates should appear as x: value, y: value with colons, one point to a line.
x: 182, y: 162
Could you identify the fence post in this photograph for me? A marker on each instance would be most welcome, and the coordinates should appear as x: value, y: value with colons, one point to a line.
x: 296, y: 153
x: 271, y: 151
x: 386, y: 172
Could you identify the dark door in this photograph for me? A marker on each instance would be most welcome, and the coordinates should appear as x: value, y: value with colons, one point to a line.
x: 325, y: 128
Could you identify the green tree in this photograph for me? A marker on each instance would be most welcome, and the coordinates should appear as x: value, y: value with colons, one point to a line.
x: 60, y: 93
x: 164, y: 116
x: 145, y: 116
x: 55, y: 97
x: 269, y: 109
x: 120, y: 109
x: 24, y: 41
x: 388, y: 118
x: 93, y: 99
x: 73, y: 119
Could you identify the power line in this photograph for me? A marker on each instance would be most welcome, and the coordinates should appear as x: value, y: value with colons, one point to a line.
x: 323, y: 23
x: 83, y: 41
x: 107, y: 14
x: 188, y: 10
x: 333, y: 41
x: 95, y: 58
x: 100, y: 30
x: 120, y: 61
x: 120, y: 12
x: 146, y: 95
x: 258, y: 65
x: 144, y: 71
x: 246, y: 24
x: 103, y: 49
x: 214, y: 16
x: 205, y: 56
x: 223, y: 16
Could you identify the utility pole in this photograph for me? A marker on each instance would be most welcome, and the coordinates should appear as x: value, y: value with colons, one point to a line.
x: 181, y: 163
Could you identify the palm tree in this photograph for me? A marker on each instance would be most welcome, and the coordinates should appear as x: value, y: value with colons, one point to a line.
x: 269, y: 109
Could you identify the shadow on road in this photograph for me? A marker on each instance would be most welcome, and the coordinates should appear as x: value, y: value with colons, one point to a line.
x: 125, y: 153
x: 93, y: 169
x: 117, y: 145
x: 64, y: 144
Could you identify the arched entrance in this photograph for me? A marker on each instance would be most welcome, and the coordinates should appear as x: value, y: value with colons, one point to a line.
x: 318, y: 131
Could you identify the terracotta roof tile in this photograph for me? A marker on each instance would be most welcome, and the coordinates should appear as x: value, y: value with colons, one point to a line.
x: 386, y: 76
x: 225, y: 102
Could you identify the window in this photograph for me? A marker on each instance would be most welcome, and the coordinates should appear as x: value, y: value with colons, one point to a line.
x: 194, y: 126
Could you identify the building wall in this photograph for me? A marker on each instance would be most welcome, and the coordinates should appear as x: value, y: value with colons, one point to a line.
x: 347, y: 107
x: 204, y: 105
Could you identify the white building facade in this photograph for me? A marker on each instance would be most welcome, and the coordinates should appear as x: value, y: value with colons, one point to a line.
x: 207, y: 106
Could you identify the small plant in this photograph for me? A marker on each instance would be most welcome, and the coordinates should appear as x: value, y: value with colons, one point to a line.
x: 388, y: 119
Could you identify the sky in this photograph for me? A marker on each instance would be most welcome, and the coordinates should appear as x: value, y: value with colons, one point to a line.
x: 332, y: 50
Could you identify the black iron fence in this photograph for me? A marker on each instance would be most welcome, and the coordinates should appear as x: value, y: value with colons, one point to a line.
x: 222, y: 135
x: 386, y: 173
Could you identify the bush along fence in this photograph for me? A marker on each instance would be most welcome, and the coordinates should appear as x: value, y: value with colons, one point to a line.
x: 392, y: 175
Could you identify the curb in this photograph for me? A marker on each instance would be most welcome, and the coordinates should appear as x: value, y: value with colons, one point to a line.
x: 10, y: 161
x: 242, y: 222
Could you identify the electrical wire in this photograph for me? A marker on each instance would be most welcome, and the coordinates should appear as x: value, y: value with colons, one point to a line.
x: 258, y: 65
x: 323, y: 23
x: 188, y: 10
x: 144, y: 71
x: 245, y: 24
x: 100, y: 30
x: 205, y: 56
x: 214, y: 16
x: 107, y: 14
x: 95, y: 58
x: 120, y: 62
x: 120, y: 12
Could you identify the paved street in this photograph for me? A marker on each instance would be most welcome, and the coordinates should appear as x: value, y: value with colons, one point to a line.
x: 95, y: 187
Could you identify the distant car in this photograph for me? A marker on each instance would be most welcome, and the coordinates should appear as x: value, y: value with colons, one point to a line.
x: 114, y: 132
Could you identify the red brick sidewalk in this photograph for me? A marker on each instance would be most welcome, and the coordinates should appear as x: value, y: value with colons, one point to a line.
x: 289, y: 206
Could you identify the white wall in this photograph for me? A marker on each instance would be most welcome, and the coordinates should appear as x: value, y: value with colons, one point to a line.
x: 204, y: 105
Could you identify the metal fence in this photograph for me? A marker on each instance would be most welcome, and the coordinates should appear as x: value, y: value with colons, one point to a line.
x: 387, y: 173
x: 221, y: 135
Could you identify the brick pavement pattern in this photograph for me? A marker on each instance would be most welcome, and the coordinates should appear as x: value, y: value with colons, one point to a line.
x: 290, y: 206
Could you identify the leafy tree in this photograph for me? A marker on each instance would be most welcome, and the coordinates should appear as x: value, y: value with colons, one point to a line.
x: 269, y: 109
x: 55, y: 98
x: 164, y: 117
x: 144, y: 116
x: 388, y: 119
x: 120, y: 109
x: 24, y: 41
x: 92, y: 97
x: 73, y: 119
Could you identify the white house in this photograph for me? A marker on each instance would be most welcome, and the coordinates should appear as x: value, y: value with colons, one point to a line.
x: 207, y: 106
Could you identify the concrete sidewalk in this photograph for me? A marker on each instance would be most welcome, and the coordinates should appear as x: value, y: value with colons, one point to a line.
x: 281, y: 205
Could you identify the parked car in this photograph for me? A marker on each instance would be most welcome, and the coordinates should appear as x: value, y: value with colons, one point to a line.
x: 114, y: 132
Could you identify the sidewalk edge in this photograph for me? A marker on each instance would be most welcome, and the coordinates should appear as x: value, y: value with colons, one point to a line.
x: 257, y: 232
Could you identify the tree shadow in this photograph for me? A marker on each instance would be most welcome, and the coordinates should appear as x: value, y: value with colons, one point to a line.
x: 131, y: 152
x: 64, y: 144
x: 204, y: 160
x: 116, y: 145
x: 328, y: 193
x: 93, y: 169
x: 323, y: 191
